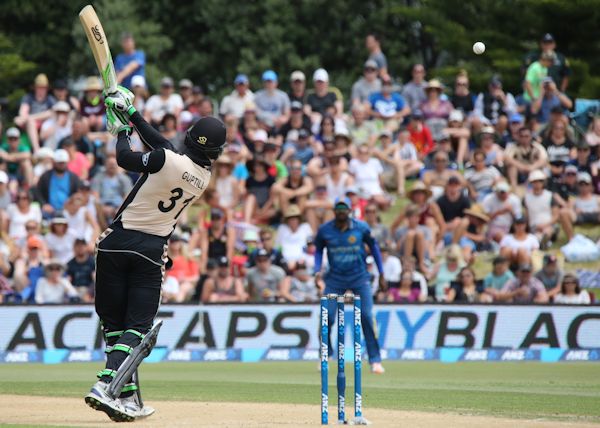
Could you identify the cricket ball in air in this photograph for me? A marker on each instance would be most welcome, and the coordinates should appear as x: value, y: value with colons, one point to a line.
x: 478, y: 48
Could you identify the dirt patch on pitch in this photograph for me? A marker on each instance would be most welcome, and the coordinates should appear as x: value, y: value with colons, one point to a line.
x: 59, y: 411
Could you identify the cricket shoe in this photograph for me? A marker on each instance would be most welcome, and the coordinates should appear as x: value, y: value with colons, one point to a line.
x: 377, y: 368
x: 99, y: 399
x: 133, y: 407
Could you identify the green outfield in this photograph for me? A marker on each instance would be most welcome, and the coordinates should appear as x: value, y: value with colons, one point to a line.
x: 517, y: 390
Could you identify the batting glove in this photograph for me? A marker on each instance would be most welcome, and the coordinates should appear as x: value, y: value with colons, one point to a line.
x: 121, y: 100
x: 116, y: 121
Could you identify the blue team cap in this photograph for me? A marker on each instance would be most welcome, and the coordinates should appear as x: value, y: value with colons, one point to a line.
x: 240, y: 78
x: 343, y: 201
x: 516, y: 118
x: 269, y: 75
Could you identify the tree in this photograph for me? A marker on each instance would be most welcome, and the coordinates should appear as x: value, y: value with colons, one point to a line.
x: 118, y: 17
x: 15, y: 72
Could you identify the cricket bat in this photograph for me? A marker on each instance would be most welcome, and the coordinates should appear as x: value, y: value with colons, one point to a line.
x: 97, y: 40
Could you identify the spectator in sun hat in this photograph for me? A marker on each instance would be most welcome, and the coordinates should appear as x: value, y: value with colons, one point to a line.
x: 57, y: 185
x: 367, y: 85
x: 324, y: 99
x: 92, y: 103
x: 292, y: 235
x: 234, y: 104
x: 35, y: 108
x: 525, y: 288
x: 559, y: 70
x: 131, y: 62
x: 435, y: 107
x: 298, y: 87
x: 542, y: 208
x: 166, y: 101
x: 272, y: 104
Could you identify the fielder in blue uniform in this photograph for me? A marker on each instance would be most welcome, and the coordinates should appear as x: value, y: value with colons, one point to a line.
x: 345, y: 240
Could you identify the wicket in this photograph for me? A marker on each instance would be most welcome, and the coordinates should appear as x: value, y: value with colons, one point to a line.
x: 341, y: 375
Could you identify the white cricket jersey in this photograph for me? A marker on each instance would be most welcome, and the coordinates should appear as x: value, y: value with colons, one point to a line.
x: 158, y: 199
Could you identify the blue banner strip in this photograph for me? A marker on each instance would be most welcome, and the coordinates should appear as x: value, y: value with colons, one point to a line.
x: 253, y: 355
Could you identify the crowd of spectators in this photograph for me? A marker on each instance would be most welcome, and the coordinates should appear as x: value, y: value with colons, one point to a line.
x: 490, y: 172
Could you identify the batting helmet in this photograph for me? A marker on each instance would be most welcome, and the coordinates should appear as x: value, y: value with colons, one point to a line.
x: 207, y: 137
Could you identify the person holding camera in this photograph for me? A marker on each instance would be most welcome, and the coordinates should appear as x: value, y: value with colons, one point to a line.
x: 551, y: 98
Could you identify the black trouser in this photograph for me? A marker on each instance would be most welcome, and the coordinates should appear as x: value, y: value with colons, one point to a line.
x: 129, y: 275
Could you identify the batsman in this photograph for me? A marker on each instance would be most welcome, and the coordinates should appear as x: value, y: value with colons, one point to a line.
x: 131, y: 254
x: 345, y: 239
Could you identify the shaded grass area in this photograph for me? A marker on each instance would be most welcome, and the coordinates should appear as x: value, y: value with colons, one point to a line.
x: 523, y: 390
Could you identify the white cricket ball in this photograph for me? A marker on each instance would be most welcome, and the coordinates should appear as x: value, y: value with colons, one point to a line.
x: 479, y: 48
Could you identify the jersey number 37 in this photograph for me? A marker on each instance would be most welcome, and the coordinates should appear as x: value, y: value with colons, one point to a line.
x: 176, y: 195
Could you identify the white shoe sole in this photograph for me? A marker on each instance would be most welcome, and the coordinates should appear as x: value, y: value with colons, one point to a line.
x: 116, y: 415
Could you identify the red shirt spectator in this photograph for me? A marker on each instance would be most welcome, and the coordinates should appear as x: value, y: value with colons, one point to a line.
x: 420, y: 135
